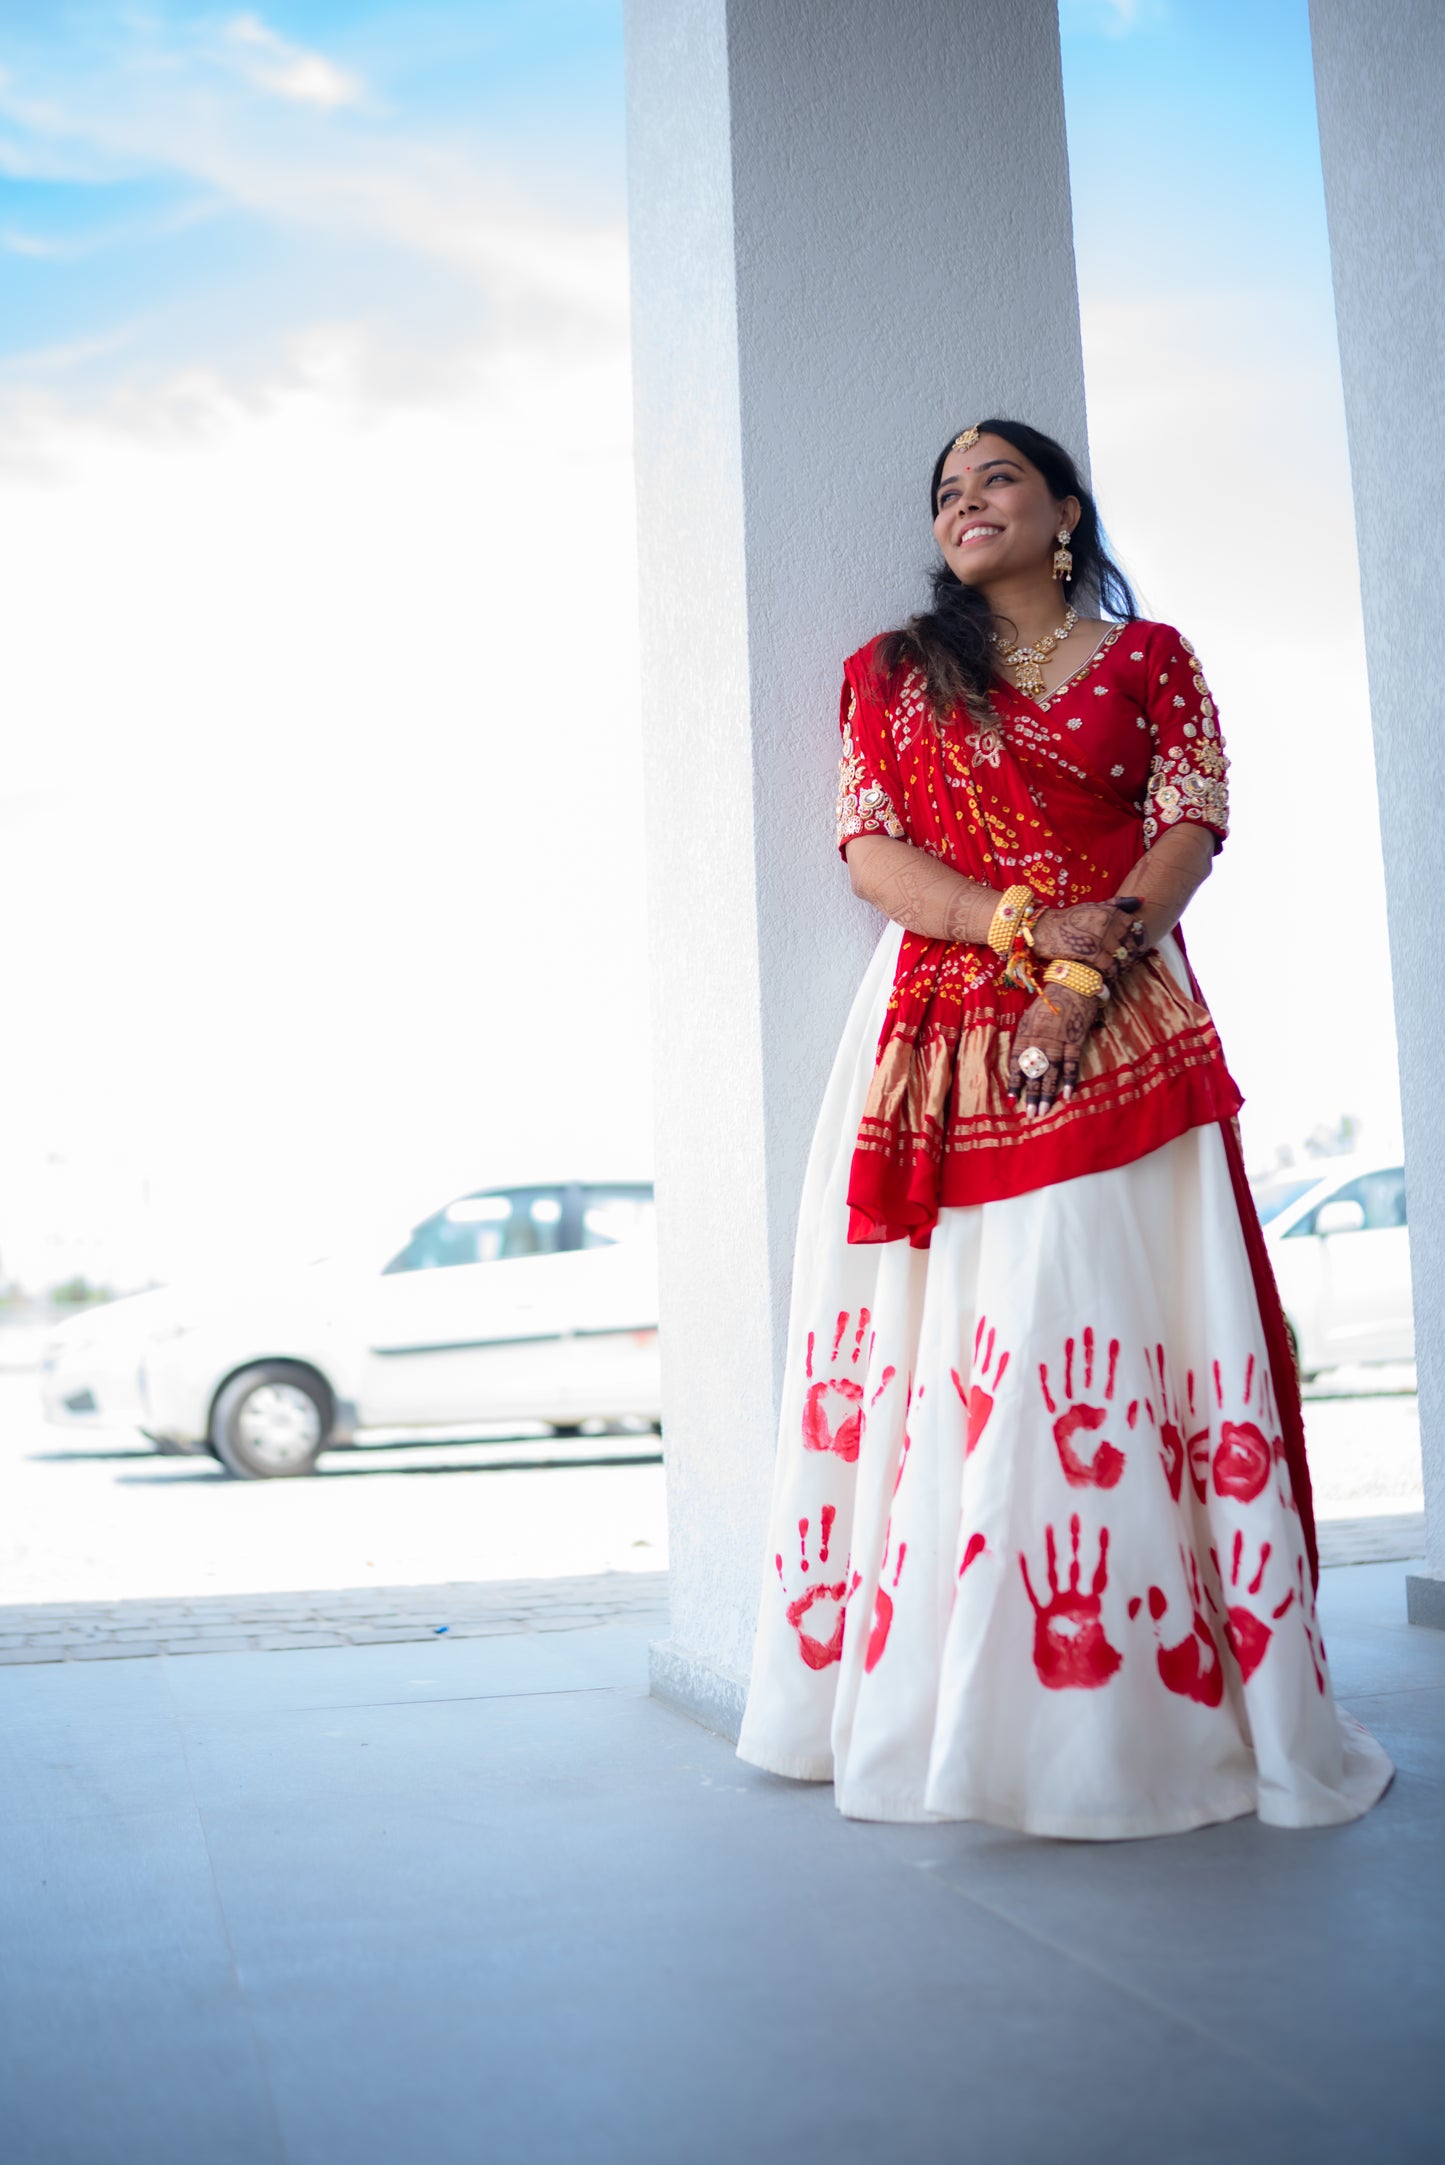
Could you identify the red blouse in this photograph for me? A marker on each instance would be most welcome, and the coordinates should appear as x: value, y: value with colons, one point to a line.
x: 1137, y: 715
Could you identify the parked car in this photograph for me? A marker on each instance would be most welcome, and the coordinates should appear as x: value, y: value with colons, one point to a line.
x: 1341, y: 1253
x: 518, y: 1303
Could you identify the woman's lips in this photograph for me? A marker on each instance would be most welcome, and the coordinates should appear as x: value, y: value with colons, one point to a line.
x: 973, y: 537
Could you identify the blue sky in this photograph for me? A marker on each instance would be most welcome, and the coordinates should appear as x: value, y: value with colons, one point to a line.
x: 291, y: 300
x: 130, y: 138
x: 1193, y: 145
x: 184, y: 185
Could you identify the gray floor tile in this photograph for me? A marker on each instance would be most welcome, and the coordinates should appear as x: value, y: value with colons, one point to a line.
x: 436, y: 1668
x: 485, y: 1900
x: 1411, y: 1727
x: 619, y: 1950
x: 124, y: 2039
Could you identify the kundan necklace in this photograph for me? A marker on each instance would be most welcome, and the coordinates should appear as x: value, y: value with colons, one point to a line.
x: 1025, y: 664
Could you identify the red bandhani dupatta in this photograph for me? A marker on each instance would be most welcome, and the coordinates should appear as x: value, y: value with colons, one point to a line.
x: 1016, y: 801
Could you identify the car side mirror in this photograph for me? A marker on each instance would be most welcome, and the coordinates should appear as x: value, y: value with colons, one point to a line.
x: 1341, y: 1216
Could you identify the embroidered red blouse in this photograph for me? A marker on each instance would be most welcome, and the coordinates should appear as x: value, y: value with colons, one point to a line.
x: 1064, y: 792
x: 1138, y: 713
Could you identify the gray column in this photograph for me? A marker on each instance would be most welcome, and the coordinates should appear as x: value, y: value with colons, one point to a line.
x: 851, y: 233
x: 1380, y: 84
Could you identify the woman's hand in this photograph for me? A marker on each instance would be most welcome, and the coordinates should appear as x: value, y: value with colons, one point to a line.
x: 1092, y: 932
x: 1055, y: 1028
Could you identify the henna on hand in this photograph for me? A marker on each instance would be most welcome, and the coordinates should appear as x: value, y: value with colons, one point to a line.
x: 1058, y: 1026
x: 1091, y: 932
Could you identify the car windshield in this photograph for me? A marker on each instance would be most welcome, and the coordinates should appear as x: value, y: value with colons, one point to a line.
x: 1277, y: 1195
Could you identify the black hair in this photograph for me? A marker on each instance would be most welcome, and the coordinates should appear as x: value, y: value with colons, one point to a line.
x: 951, y: 641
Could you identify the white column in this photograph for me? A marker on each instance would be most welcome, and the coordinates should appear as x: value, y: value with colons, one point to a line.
x: 851, y: 234
x: 1380, y: 84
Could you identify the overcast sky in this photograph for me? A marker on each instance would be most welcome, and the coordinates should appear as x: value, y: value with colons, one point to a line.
x: 320, y: 856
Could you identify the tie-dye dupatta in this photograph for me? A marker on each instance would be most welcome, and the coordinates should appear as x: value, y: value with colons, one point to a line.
x: 1014, y: 799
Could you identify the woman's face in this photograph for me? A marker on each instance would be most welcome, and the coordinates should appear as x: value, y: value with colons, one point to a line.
x: 996, y: 518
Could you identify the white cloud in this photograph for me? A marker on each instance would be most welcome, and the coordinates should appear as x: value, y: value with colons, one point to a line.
x: 540, y: 276
x: 326, y: 832
x: 1113, y: 18
x: 272, y: 63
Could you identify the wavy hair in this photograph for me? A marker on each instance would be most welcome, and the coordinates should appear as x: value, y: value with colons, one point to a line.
x: 951, y: 641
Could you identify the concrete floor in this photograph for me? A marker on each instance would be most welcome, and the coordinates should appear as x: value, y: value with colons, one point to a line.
x: 486, y: 1901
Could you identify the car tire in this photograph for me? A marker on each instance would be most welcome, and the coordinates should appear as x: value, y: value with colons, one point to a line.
x: 271, y: 1422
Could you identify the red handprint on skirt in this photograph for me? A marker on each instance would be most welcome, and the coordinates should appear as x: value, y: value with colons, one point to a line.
x: 1180, y: 1444
x: 1248, y: 1633
x: 1245, y: 1457
x: 1071, y: 1651
x: 1079, y: 1419
x: 883, y: 1605
x: 833, y: 1406
x: 983, y: 1386
x: 820, y: 1609
x: 1191, y: 1668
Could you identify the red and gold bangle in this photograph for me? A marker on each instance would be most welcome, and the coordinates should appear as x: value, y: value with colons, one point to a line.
x: 1078, y: 976
x: 1016, y: 911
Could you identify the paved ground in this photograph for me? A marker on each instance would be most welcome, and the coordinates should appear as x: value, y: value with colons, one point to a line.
x: 483, y: 1899
x: 354, y: 1616
x: 98, y: 1517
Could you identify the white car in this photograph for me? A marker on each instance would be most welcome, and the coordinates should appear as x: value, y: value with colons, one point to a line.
x: 517, y: 1303
x: 1338, y: 1242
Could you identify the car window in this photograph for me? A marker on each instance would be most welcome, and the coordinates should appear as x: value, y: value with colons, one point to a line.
x: 1381, y: 1196
x: 610, y: 1215
x: 1273, y: 1196
x: 498, y: 1227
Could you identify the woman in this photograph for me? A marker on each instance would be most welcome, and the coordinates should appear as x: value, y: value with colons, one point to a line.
x: 1041, y: 1550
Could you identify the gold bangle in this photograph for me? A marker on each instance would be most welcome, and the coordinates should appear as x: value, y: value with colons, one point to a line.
x: 1078, y: 976
x: 1016, y: 901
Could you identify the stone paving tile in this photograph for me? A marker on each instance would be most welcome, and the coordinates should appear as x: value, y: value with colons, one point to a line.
x: 350, y: 1616
x: 113, y: 1650
x: 1397, y: 1537
x: 213, y: 1646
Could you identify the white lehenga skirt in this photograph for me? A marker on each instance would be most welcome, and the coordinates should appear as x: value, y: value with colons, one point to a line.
x: 1034, y: 1557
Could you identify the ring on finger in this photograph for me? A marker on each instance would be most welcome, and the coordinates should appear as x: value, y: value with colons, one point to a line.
x: 1034, y: 1063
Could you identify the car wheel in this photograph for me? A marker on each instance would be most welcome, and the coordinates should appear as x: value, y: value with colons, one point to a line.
x: 270, y: 1423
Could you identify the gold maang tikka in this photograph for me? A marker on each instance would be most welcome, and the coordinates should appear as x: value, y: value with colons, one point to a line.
x: 966, y: 441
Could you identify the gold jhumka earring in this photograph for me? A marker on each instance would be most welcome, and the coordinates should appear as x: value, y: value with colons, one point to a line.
x: 1063, y: 556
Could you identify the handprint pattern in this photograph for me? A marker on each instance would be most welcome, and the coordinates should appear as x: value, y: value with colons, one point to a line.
x: 1248, y: 1634
x: 1190, y: 1667
x: 833, y: 1409
x: 1246, y: 1457
x: 821, y: 1608
x: 990, y: 1365
x: 1081, y: 1418
x: 1071, y: 1650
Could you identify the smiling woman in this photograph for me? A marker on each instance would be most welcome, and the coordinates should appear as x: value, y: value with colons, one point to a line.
x: 1032, y: 1312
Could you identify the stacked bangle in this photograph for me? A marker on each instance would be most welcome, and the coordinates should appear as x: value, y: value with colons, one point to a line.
x: 1079, y: 977
x: 1015, y: 913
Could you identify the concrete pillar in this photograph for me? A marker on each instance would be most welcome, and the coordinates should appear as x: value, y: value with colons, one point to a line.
x: 851, y: 233
x: 1380, y: 85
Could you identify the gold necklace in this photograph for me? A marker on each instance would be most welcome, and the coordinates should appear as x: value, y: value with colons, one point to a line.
x: 1026, y: 663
